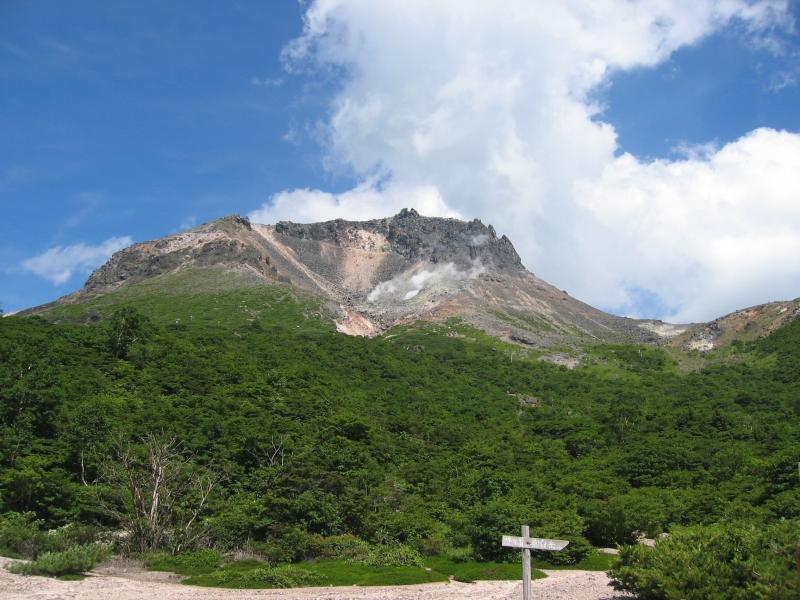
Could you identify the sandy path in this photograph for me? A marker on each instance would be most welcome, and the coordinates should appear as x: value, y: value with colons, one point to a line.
x: 559, y: 585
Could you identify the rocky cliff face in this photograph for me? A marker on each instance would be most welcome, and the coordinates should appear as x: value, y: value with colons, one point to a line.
x: 380, y: 273
x: 411, y: 238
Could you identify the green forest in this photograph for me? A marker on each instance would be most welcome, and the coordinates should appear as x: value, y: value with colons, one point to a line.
x: 281, y: 435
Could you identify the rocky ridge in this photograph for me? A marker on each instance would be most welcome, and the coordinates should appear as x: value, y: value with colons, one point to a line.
x: 746, y: 324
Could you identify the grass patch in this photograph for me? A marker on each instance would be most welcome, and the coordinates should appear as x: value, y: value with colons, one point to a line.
x: 324, y: 573
x: 209, y: 298
x: 596, y: 561
x: 244, y: 565
x: 341, y: 572
x: 189, y: 563
x: 469, y: 571
x: 264, y: 576
x: 206, y: 569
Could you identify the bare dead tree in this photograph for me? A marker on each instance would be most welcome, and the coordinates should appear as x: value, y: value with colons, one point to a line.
x: 83, y: 469
x: 277, y: 448
x: 163, y: 492
x: 275, y: 455
x: 187, y: 533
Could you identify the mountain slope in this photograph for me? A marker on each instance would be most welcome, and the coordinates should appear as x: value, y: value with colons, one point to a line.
x: 376, y: 274
x: 430, y: 434
x: 421, y: 433
x: 380, y: 273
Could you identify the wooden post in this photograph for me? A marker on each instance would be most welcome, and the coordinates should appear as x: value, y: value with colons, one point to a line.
x: 526, y: 544
x: 526, y: 566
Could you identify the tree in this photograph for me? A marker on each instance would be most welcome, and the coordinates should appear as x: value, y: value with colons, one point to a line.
x: 163, y: 493
x: 489, y: 522
x: 126, y: 328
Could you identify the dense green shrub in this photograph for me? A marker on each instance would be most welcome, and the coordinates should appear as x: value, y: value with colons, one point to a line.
x: 19, y: 535
x: 435, y: 544
x: 416, y: 524
x: 265, y: 577
x: 719, y: 562
x: 491, y: 521
x: 74, y: 561
x: 565, y: 525
x: 288, y: 546
x: 68, y: 536
x: 392, y: 555
x: 619, y: 519
x: 188, y: 563
x: 237, y: 520
x: 348, y: 547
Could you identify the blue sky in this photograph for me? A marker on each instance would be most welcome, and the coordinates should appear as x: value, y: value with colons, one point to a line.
x: 714, y: 91
x: 138, y: 119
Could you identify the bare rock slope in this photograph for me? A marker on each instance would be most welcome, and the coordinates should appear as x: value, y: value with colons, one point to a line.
x: 746, y: 324
x: 384, y: 272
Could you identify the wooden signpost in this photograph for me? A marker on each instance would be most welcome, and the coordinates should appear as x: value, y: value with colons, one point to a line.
x: 526, y: 544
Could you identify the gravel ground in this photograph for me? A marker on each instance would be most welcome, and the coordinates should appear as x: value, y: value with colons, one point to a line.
x: 559, y: 585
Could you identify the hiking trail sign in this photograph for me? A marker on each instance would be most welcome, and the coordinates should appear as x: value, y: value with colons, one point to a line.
x: 526, y: 544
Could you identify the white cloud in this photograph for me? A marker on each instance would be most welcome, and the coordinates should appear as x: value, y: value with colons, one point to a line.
x: 484, y: 109
x: 711, y: 233
x: 359, y: 204
x: 60, y: 262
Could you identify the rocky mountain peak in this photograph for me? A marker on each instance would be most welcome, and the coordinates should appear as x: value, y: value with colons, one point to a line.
x: 376, y: 274
x: 416, y: 238
x: 407, y: 213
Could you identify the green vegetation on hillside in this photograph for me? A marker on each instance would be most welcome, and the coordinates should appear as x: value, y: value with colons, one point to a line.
x: 730, y: 561
x: 418, y: 438
x: 208, y: 568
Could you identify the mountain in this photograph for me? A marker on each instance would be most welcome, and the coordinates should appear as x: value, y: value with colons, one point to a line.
x: 376, y: 274
x: 218, y: 346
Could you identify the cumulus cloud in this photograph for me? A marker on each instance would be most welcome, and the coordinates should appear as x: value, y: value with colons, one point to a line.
x: 485, y: 109
x: 409, y: 284
x: 60, y: 262
x: 711, y: 233
x: 361, y: 203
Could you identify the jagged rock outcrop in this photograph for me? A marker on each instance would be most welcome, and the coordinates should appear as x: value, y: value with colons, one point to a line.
x: 412, y: 238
